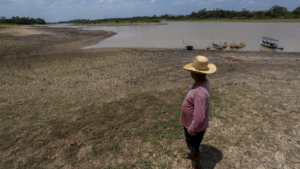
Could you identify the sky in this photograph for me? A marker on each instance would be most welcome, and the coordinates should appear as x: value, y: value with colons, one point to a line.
x: 65, y: 10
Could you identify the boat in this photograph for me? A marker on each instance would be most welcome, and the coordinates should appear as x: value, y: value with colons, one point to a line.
x: 224, y: 46
x: 217, y: 46
x: 240, y: 45
x: 269, y: 42
x: 210, y: 45
x: 220, y: 47
x: 266, y: 49
x: 189, y: 47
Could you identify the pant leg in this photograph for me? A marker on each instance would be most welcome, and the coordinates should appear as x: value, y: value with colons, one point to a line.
x: 193, y: 142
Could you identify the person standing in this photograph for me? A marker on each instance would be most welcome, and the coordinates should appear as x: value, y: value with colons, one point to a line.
x: 195, y: 107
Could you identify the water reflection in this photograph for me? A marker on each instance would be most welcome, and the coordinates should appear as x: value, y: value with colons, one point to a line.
x: 266, y: 49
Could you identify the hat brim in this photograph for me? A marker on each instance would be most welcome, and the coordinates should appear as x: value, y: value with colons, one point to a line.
x: 211, y: 68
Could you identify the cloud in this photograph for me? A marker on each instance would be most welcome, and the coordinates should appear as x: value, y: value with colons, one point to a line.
x: 59, y: 10
x: 40, y: 2
x: 225, y: 0
x: 6, y: 2
x: 113, y: 4
x: 205, y: 3
x: 178, y: 2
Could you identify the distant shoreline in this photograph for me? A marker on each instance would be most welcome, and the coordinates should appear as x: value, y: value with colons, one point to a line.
x: 122, y: 24
x: 220, y: 20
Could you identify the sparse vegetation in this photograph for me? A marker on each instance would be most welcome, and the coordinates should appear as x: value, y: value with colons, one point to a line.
x: 119, y: 108
x: 4, y: 27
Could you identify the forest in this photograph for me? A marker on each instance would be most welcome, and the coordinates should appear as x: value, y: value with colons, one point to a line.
x: 275, y: 12
x: 21, y: 21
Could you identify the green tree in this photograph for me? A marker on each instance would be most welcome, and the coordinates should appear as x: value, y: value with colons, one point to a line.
x: 259, y: 14
x: 296, y: 11
x: 193, y: 15
x: 277, y: 11
x: 40, y: 21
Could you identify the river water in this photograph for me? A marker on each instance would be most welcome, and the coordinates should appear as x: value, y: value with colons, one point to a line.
x: 201, y: 34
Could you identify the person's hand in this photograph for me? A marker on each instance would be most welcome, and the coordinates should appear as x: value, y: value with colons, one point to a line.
x: 191, y: 133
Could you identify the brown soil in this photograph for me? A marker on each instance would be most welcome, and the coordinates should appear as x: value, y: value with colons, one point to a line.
x: 62, y: 107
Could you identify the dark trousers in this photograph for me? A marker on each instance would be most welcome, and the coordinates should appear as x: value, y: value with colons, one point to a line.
x: 193, y: 142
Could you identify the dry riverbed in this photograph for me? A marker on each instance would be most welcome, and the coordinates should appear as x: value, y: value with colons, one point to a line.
x: 62, y: 107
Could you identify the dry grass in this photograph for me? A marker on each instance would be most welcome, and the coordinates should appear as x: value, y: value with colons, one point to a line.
x: 119, y: 108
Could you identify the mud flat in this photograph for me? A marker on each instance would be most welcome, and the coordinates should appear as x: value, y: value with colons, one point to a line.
x: 62, y: 107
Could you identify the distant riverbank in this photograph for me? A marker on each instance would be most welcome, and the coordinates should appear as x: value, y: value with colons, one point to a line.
x: 123, y: 24
x: 236, y: 20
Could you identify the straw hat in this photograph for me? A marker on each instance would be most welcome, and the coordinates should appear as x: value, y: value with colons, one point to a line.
x: 201, y: 65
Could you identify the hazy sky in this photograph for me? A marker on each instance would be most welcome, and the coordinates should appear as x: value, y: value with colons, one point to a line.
x: 63, y: 10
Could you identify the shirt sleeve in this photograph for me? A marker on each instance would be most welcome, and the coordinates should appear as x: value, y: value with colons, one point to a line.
x: 198, y: 114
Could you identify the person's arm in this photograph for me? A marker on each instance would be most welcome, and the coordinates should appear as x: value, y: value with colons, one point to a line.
x: 198, y: 115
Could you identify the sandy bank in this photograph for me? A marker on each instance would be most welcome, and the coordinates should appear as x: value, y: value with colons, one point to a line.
x: 20, y: 30
x: 45, y: 41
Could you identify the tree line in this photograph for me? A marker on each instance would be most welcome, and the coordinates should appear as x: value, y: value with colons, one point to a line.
x: 275, y: 12
x: 137, y: 19
x: 22, y: 21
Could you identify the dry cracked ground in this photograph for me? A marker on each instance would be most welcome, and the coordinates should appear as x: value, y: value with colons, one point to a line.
x: 62, y: 107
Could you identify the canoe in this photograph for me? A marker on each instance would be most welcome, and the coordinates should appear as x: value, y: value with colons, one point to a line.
x: 189, y: 47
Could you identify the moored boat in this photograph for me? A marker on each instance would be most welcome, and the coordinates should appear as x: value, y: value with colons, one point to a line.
x: 218, y: 46
x: 269, y: 42
x: 189, y: 47
x: 240, y: 45
x: 224, y: 46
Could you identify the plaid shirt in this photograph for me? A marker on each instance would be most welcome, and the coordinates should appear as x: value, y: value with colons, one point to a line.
x: 195, y: 108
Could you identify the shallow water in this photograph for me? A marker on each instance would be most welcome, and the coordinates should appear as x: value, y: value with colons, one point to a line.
x: 201, y: 34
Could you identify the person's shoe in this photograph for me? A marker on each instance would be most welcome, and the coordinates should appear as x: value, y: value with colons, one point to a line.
x: 187, y: 156
x: 197, y: 157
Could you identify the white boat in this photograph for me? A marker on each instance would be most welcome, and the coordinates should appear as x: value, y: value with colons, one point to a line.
x: 269, y: 42
x: 224, y: 46
x: 220, y: 47
x: 216, y: 46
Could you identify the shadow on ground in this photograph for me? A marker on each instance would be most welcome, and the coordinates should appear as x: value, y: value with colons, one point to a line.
x: 210, y: 156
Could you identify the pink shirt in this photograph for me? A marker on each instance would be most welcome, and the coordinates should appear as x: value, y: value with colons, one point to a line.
x: 195, y: 108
